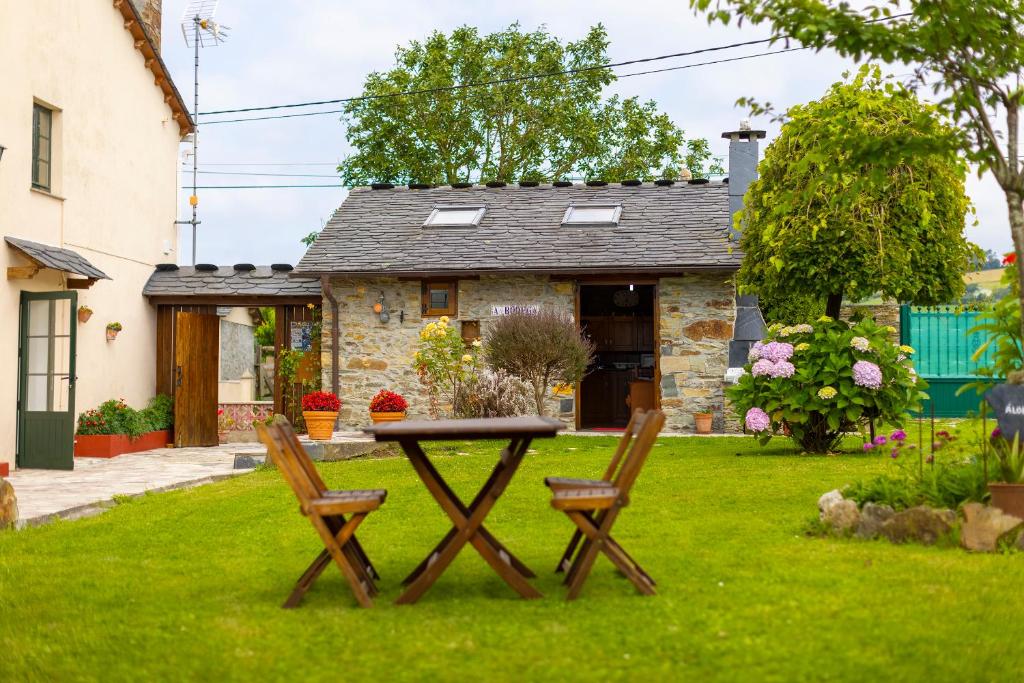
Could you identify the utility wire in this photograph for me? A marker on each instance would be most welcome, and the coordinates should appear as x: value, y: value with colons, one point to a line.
x: 271, y: 163
x: 638, y: 73
x: 275, y: 175
x: 256, y: 187
x: 515, y: 79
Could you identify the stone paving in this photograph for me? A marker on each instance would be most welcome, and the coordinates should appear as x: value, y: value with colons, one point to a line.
x: 89, y: 489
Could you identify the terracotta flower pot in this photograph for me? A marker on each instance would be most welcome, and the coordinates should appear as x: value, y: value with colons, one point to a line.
x: 386, y: 417
x: 83, y: 315
x: 319, y: 425
x: 1008, y: 497
x: 112, y: 334
x: 703, y: 422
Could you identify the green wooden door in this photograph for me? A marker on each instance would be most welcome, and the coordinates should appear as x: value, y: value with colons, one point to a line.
x: 46, y: 387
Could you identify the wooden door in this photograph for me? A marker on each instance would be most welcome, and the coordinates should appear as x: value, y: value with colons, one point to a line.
x: 46, y: 395
x: 623, y: 334
x: 196, y: 357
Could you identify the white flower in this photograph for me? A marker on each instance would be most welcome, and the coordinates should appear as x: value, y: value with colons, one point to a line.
x: 860, y: 343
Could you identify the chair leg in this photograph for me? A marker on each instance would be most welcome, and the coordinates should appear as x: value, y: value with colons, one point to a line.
x: 307, y: 579
x: 632, y: 571
x: 566, y: 561
x: 636, y: 565
x: 584, y: 563
x: 335, y: 545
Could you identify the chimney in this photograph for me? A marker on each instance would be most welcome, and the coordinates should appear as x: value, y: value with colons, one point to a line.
x: 149, y: 11
x: 742, y: 163
x: 749, y: 326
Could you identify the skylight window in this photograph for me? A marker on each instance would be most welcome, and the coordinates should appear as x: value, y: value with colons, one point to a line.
x: 592, y: 214
x: 455, y: 216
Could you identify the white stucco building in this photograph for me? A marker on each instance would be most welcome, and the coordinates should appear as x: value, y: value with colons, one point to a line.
x: 90, y: 126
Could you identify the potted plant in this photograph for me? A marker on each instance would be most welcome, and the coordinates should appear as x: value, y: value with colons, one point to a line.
x: 387, y: 406
x: 320, y: 411
x: 112, y: 330
x: 1007, y: 487
x: 84, y: 313
x: 225, y: 423
x: 703, y: 422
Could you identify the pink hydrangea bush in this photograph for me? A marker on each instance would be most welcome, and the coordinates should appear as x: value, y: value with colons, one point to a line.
x: 818, y: 382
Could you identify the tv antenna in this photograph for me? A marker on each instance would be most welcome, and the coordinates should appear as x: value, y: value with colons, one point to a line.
x: 199, y: 30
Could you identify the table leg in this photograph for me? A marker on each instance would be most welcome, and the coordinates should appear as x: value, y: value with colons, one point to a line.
x: 468, y: 523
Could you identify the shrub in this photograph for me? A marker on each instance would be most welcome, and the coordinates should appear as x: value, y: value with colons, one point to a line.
x: 817, y: 382
x: 1001, y: 325
x: 159, y: 414
x: 540, y: 348
x: 495, y: 394
x: 445, y: 365
x: 388, y: 402
x: 113, y: 417
x: 946, y: 479
x: 321, y: 402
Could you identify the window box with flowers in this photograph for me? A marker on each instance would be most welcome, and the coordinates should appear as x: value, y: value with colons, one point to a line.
x: 387, y: 406
x: 320, y: 411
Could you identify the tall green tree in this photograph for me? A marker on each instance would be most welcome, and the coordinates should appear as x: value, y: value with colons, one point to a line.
x: 969, y: 52
x: 543, y: 128
x: 820, y: 222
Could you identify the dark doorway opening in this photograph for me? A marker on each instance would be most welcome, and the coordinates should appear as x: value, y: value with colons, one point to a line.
x: 620, y: 320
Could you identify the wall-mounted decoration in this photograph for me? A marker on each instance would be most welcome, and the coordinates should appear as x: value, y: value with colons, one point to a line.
x: 507, y: 309
x: 301, y: 335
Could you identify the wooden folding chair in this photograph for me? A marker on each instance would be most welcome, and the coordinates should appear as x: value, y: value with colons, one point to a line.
x: 565, y: 483
x: 594, y: 510
x: 326, y: 510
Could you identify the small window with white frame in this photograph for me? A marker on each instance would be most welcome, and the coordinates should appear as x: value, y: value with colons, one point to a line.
x: 592, y: 214
x: 455, y: 217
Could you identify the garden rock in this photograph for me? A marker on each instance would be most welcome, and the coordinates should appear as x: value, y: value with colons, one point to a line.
x: 922, y: 524
x: 839, y: 513
x: 8, y: 505
x: 872, y: 517
x: 985, y: 526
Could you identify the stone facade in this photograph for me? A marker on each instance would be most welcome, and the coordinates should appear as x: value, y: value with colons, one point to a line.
x: 696, y: 324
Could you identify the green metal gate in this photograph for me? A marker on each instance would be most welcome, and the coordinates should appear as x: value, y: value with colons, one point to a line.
x: 944, y: 352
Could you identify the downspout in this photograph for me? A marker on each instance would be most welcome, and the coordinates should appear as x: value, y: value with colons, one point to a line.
x: 325, y: 288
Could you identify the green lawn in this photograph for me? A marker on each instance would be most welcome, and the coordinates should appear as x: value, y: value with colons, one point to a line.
x: 187, y: 585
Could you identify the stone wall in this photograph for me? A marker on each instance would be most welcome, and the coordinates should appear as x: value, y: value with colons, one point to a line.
x: 376, y: 355
x: 697, y: 315
x: 696, y: 324
x: 885, y: 313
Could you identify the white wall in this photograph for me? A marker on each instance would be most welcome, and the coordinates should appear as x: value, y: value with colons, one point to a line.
x: 113, y: 190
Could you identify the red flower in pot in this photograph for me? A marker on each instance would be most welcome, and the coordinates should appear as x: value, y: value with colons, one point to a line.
x: 320, y: 410
x: 387, y: 406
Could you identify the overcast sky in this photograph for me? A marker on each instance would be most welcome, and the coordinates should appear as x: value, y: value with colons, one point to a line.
x: 291, y: 51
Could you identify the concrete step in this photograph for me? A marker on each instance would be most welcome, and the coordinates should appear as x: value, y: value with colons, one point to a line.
x: 328, y: 451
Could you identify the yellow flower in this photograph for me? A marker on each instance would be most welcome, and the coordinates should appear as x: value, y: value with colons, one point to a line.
x: 310, y: 306
x: 467, y: 358
x: 826, y: 393
x: 802, y: 346
x: 890, y: 329
x: 439, y: 332
x: 443, y: 320
x: 907, y: 349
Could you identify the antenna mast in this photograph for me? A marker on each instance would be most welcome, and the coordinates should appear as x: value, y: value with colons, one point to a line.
x: 199, y: 30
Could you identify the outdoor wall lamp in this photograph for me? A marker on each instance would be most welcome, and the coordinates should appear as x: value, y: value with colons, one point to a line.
x: 380, y: 308
x: 2, y: 148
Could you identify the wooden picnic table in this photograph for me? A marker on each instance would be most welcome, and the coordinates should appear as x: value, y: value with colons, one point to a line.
x: 468, y: 520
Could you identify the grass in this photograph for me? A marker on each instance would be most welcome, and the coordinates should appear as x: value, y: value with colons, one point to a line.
x: 186, y: 585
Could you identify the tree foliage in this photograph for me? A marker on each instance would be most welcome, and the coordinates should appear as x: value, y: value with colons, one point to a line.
x: 821, y: 222
x: 970, y: 53
x: 526, y: 128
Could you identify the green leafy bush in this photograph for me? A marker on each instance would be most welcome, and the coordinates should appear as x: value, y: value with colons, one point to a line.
x: 159, y: 414
x: 446, y: 366
x: 815, y: 382
x: 947, y: 478
x: 113, y: 417
x: 495, y: 394
x: 1001, y: 324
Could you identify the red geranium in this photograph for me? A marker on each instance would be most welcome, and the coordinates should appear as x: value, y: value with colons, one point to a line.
x: 321, y: 402
x: 388, y: 402
x: 1010, y: 259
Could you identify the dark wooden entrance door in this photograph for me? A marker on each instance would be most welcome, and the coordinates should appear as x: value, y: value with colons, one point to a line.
x: 46, y: 386
x: 196, y: 346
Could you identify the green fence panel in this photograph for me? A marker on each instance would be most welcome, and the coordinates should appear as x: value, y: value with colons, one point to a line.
x: 944, y: 355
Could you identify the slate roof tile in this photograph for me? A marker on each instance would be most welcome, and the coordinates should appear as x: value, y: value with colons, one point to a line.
x: 227, y: 282
x: 57, y: 258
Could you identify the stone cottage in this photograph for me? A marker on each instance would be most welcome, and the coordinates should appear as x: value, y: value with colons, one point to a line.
x: 645, y: 269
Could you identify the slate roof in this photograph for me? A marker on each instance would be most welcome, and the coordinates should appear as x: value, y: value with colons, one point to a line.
x: 228, y: 281
x: 57, y: 258
x: 682, y: 227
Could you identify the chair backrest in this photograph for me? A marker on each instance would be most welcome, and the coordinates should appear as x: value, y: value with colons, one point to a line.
x: 299, y: 454
x: 280, y: 451
x: 648, y: 426
x: 623, y: 446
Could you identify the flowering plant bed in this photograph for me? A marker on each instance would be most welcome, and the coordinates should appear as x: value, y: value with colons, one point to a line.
x: 111, y: 445
x: 819, y: 381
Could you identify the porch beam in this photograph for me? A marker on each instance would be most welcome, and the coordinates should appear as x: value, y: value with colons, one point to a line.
x: 22, y: 272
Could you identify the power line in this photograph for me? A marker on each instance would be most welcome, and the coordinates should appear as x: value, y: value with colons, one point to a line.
x: 515, y: 79
x: 272, y: 163
x: 638, y: 73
